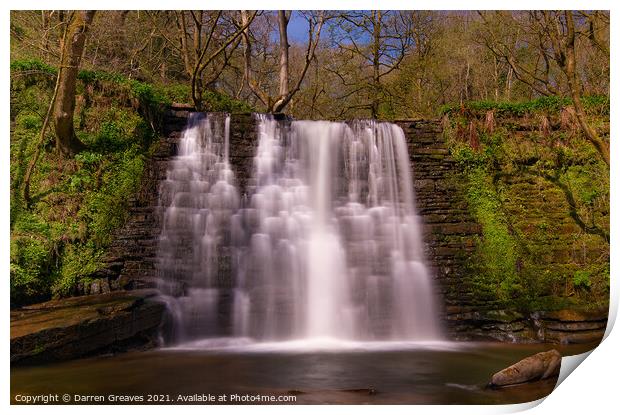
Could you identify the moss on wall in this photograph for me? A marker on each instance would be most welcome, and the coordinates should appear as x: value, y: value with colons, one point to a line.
x: 541, y: 195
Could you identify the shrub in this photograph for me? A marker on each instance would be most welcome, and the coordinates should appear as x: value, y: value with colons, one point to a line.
x: 78, y: 203
x: 105, y: 209
x: 78, y: 261
x: 581, y: 279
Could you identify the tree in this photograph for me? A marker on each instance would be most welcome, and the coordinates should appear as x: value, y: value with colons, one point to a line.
x: 285, y: 93
x: 380, y: 40
x: 562, y: 34
x: 552, y: 69
x: 64, y: 105
x: 206, y: 41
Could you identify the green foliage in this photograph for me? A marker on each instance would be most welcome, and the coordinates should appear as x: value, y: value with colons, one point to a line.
x: 585, y: 181
x: 596, y: 104
x: 30, y: 122
x: 581, y: 279
x: 90, y: 77
x: 467, y: 157
x: 177, y: 93
x: 105, y: 209
x: 143, y: 91
x: 78, y: 260
x: 31, y: 65
x: 117, y: 129
x: 32, y: 83
x: 148, y: 93
x: 77, y: 203
x: 33, y: 248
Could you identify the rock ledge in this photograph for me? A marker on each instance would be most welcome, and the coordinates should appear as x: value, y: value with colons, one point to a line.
x: 81, y: 326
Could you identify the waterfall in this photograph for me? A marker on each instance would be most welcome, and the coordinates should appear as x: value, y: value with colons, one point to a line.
x: 326, y: 245
x: 198, y: 198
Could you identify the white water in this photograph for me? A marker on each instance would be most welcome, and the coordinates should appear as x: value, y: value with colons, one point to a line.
x: 312, y: 345
x: 198, y: 197
x: 327, y: 248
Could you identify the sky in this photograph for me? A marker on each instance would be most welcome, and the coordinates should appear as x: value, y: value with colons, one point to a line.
x: 297, y: 28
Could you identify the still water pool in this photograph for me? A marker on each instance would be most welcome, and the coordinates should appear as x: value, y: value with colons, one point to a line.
x: 321, y: 372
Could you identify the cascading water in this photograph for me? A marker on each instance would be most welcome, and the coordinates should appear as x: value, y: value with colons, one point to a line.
x: 199, y: 198
x: 327, y: 245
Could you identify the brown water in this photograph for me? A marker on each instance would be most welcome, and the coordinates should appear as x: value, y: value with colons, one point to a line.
x: 449, y: 373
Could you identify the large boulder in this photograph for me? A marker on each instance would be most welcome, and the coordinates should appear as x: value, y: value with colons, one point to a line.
x: 539, y: 366
x: 80, y: 326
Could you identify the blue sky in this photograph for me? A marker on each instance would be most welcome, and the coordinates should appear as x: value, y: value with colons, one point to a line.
x: 297, y: 28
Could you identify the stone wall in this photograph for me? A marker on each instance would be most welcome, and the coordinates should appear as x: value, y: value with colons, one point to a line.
x: 451, y: 234
x: 243, y: 143
x: 449, y: 229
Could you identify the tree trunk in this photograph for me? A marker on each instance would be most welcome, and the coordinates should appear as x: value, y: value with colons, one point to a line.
x: 283, y: 19
x: 376, y: 63
x: 247, y: 58
x: 591, y: 135
x: 64, y: 107
x: 285, y: 90
x: 569, y: 68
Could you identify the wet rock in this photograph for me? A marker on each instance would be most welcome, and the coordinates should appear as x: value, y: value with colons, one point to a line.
x: 114, y: 285
x: 537, y: 367
x: 563, y: 326
x: 80, y: 326
x: 94, y: 287
x: 105, y: 286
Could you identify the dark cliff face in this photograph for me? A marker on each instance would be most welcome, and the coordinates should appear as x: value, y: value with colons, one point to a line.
x: 450, y: 234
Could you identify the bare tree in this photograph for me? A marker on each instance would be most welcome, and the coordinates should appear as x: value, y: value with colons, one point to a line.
x: 562, y: 34
x: 315, y: 22
x: 206, y: 41
x: 379, y: 39
x: 553, y: 67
